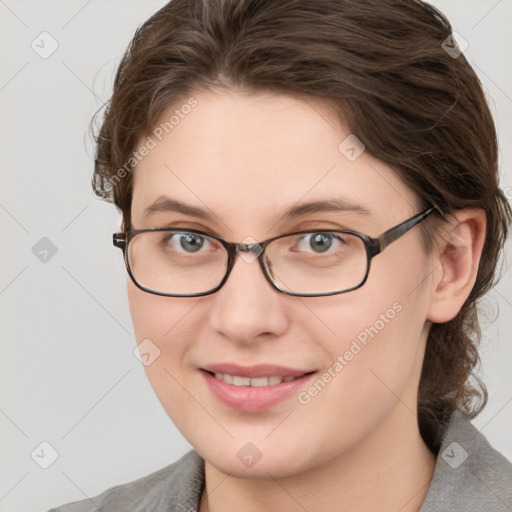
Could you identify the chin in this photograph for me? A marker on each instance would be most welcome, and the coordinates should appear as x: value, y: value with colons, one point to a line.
x: 249, y: 462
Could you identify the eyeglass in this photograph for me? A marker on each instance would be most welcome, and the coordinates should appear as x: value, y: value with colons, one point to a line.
x: 192, y: 263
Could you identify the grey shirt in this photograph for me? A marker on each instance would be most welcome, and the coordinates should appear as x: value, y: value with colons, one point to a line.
x: 470, y: 476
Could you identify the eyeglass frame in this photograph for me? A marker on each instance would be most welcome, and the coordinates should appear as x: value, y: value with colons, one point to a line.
x: 373, y: 247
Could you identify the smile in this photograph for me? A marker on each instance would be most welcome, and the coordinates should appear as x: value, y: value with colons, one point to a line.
x: 259, y: 391
x: 257, y: 382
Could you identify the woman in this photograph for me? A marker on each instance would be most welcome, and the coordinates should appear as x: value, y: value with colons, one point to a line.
x: 311, y: 211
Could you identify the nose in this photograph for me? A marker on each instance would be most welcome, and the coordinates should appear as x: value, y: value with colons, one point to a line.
x: 247, y: 308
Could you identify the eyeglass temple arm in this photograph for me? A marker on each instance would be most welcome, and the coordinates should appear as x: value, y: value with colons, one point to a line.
x: 395, y: 233
x: 119, y: 240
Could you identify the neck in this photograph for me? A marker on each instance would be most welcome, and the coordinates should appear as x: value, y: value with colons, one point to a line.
x: 390, y: 471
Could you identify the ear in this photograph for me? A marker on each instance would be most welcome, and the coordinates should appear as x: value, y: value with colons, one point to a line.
x: 455, y: 264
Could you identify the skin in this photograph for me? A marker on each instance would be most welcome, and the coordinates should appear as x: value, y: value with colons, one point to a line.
x: 356, y: 446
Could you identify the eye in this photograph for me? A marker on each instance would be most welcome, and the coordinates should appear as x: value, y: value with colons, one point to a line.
x: 319, y: 242
x: 188, y: 242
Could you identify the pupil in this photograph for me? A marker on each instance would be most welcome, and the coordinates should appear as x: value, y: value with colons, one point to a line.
x: 191, y: 242
x: 320, y: 242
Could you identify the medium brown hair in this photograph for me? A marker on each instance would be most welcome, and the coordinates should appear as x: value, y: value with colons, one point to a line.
x: 383, y: 66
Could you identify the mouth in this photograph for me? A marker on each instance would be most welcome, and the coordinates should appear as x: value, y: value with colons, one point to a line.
x: 256, y: 388
x: 255, y: 382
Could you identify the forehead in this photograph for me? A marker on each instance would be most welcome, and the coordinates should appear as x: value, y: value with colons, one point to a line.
x: 250, y: 156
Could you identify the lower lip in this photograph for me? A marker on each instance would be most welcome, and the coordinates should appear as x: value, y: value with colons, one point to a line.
x: 254, y: 399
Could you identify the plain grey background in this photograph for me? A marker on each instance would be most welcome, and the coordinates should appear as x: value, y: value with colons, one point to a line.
x: 68, y: 374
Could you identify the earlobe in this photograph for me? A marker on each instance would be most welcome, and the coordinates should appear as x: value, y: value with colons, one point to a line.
x: 455, y: 265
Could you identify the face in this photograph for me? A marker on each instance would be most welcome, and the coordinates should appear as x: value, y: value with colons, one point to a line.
x: 244, y: 160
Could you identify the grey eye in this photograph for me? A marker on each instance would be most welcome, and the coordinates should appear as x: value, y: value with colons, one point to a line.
x: 189, y: 242
x: 318, y: 242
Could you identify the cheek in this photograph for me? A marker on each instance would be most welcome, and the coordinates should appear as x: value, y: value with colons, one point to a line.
x: 376, y: 342
x: 158, y: 318
x: 378, y: 339
x: 162, y: 325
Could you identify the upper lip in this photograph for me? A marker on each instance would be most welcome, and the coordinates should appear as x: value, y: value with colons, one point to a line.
x: 261, y: 370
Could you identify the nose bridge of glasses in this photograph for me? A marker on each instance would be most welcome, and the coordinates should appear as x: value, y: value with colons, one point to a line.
x: 249, y: 252
x: 254, y: 248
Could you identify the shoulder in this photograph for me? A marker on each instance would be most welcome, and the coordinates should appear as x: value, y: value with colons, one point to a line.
x: 470, y: 475
x: 177, y: 486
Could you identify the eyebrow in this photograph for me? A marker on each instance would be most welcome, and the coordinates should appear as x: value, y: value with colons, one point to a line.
x: 168, y: 204
x: 329, y: 205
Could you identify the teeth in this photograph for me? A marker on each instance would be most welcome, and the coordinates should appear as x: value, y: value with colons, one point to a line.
x: 257, y: 382
x: 241, y: 381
